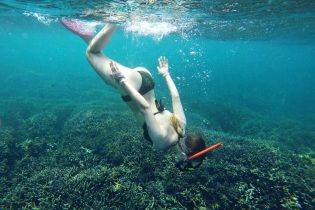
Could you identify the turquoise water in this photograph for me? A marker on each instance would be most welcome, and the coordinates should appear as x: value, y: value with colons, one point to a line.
x: 245, y: 73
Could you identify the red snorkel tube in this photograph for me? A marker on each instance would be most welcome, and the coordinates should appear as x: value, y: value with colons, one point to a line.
x: 185, y: 165
x: 208, y: 149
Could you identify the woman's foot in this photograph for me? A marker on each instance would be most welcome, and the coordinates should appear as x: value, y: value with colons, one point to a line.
x: 80, y: 28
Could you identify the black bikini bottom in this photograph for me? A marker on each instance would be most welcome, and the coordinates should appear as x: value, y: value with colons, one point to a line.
x: 146, y: 85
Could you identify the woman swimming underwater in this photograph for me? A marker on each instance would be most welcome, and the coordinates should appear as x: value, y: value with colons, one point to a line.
x: 161, y: 127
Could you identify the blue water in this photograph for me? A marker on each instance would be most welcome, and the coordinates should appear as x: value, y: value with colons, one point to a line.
x: 271, y: 77
x: 245, y: 68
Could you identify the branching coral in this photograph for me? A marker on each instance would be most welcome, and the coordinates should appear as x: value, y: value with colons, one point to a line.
x: 101, y: 161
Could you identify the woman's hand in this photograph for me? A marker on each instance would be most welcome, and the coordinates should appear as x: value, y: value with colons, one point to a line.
x: 163, y: 66
x: 116, y: 73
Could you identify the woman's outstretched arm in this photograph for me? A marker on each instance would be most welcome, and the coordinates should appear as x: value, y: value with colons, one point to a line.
x: 131, y: 91
x: 176, y: 103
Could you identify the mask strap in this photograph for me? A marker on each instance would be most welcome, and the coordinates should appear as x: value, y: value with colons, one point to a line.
x: 182, y: 145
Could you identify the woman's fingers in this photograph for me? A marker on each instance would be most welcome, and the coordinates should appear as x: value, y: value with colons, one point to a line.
x: 160, y: 61
x: 165, y: 61
x: 116, y: 68
x: 113, y: 67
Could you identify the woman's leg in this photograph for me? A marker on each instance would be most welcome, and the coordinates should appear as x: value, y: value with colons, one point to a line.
x: 97, y: 59
x: 101, y: 39
x: 86, y: 32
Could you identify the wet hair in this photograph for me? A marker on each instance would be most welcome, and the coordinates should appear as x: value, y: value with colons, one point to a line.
x: 194, y: 144
x: 176, y: 124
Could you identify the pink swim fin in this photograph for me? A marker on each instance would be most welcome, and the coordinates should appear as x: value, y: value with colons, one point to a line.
x: 78, y: 27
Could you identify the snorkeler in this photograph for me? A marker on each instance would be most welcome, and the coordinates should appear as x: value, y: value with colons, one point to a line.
x: 162, y: 128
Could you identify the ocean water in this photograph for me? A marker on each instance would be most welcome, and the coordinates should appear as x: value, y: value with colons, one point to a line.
x: 245, y: 73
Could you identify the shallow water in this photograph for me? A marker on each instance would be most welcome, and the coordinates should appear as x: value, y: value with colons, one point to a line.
x: 245, y: 72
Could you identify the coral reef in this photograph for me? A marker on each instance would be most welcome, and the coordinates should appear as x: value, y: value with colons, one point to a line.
x: 96, y: 158
x: 288, y: 132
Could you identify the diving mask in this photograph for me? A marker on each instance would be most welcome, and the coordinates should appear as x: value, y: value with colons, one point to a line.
x: 188, y: 163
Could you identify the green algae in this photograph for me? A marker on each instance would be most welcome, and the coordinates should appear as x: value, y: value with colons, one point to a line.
x: 286, y: 131
x: 97, y: 159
